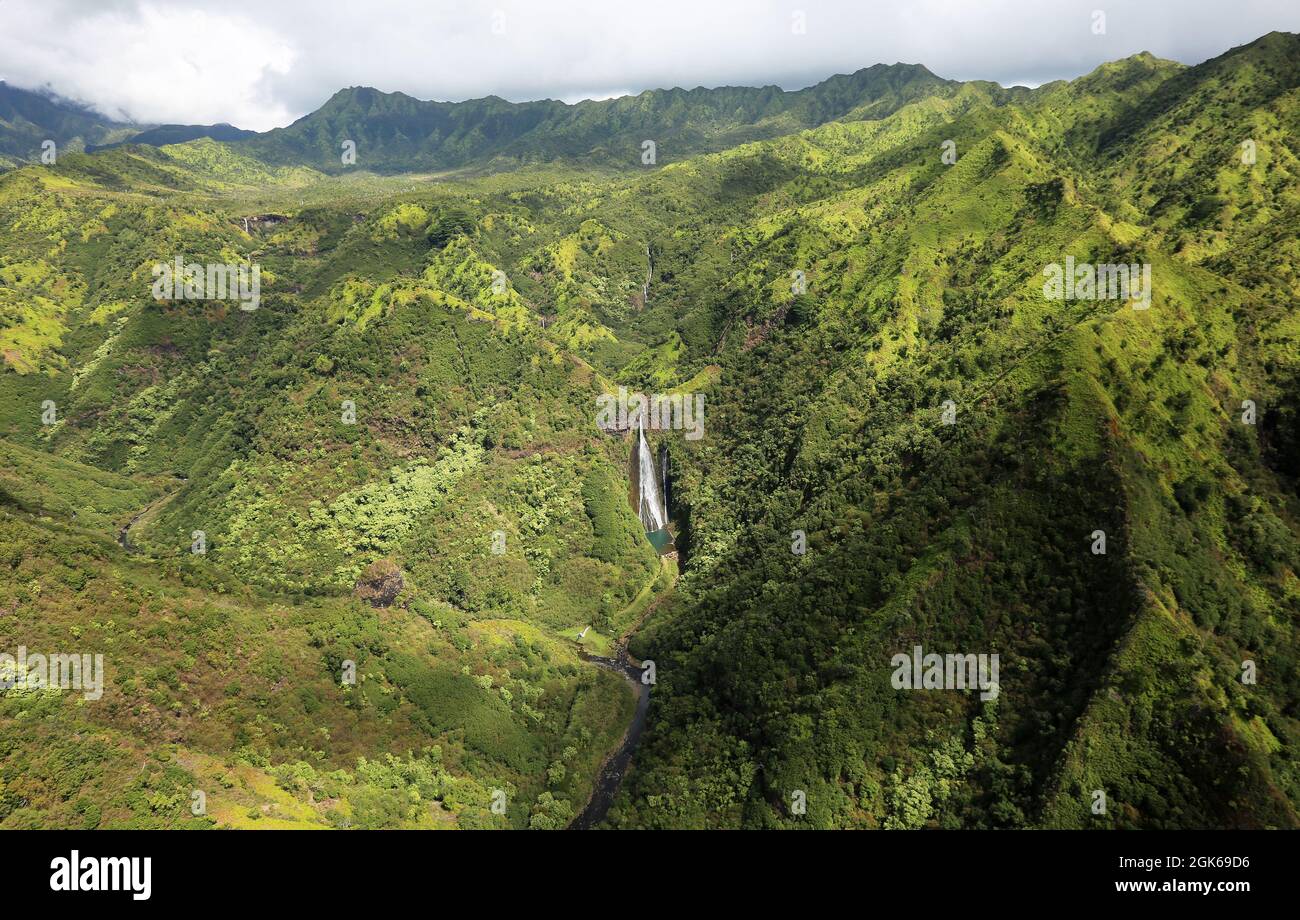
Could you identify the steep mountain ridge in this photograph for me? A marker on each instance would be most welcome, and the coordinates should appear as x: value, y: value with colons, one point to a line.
x: 393, y: 131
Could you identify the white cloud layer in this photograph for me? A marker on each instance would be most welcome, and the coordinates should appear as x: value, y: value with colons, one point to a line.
x: 262, y: 63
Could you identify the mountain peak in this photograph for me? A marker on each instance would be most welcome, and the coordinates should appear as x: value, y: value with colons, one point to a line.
x: 396, y: 132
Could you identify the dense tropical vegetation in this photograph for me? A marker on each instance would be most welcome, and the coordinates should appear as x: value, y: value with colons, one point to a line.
x: 394, y: 461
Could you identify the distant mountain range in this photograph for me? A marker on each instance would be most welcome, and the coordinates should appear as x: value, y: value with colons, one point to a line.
x: 394, y: 132
x: 163, y: 135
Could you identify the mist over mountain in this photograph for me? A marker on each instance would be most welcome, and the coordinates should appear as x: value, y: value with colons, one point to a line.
x: 29, y: 118
x: 396, y: 133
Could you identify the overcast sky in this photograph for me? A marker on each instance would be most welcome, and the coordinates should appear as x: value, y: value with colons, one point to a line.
x: 262, y: 63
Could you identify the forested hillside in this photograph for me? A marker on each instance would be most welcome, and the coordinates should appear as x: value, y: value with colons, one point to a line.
x: 393, y: 461
x: 30, y: 119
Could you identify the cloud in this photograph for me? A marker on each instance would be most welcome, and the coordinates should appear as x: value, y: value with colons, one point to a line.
x: 258, y: 64
x: 149, y: 62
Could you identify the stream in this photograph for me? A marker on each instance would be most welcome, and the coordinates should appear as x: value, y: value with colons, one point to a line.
x: 610, y: 778
x: 612, y: 770
x: 124, y: 534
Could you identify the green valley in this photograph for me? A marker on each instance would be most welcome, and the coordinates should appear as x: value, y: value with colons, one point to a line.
x: 349, y: 556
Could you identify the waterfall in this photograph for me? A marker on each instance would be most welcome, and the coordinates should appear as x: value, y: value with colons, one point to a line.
x: 650, y: 505
x: 649, y: 275
x: 663, y: 476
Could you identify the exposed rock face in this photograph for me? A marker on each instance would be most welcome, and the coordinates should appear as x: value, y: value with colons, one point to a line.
x: 380, y: 583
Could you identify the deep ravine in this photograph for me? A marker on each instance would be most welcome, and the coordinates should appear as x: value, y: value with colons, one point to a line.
x: 612, y: 770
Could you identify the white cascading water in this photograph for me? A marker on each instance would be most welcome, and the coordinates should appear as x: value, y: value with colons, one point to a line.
x: 663, y: 476
x: 651, y: 505
x: 649, y: 274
